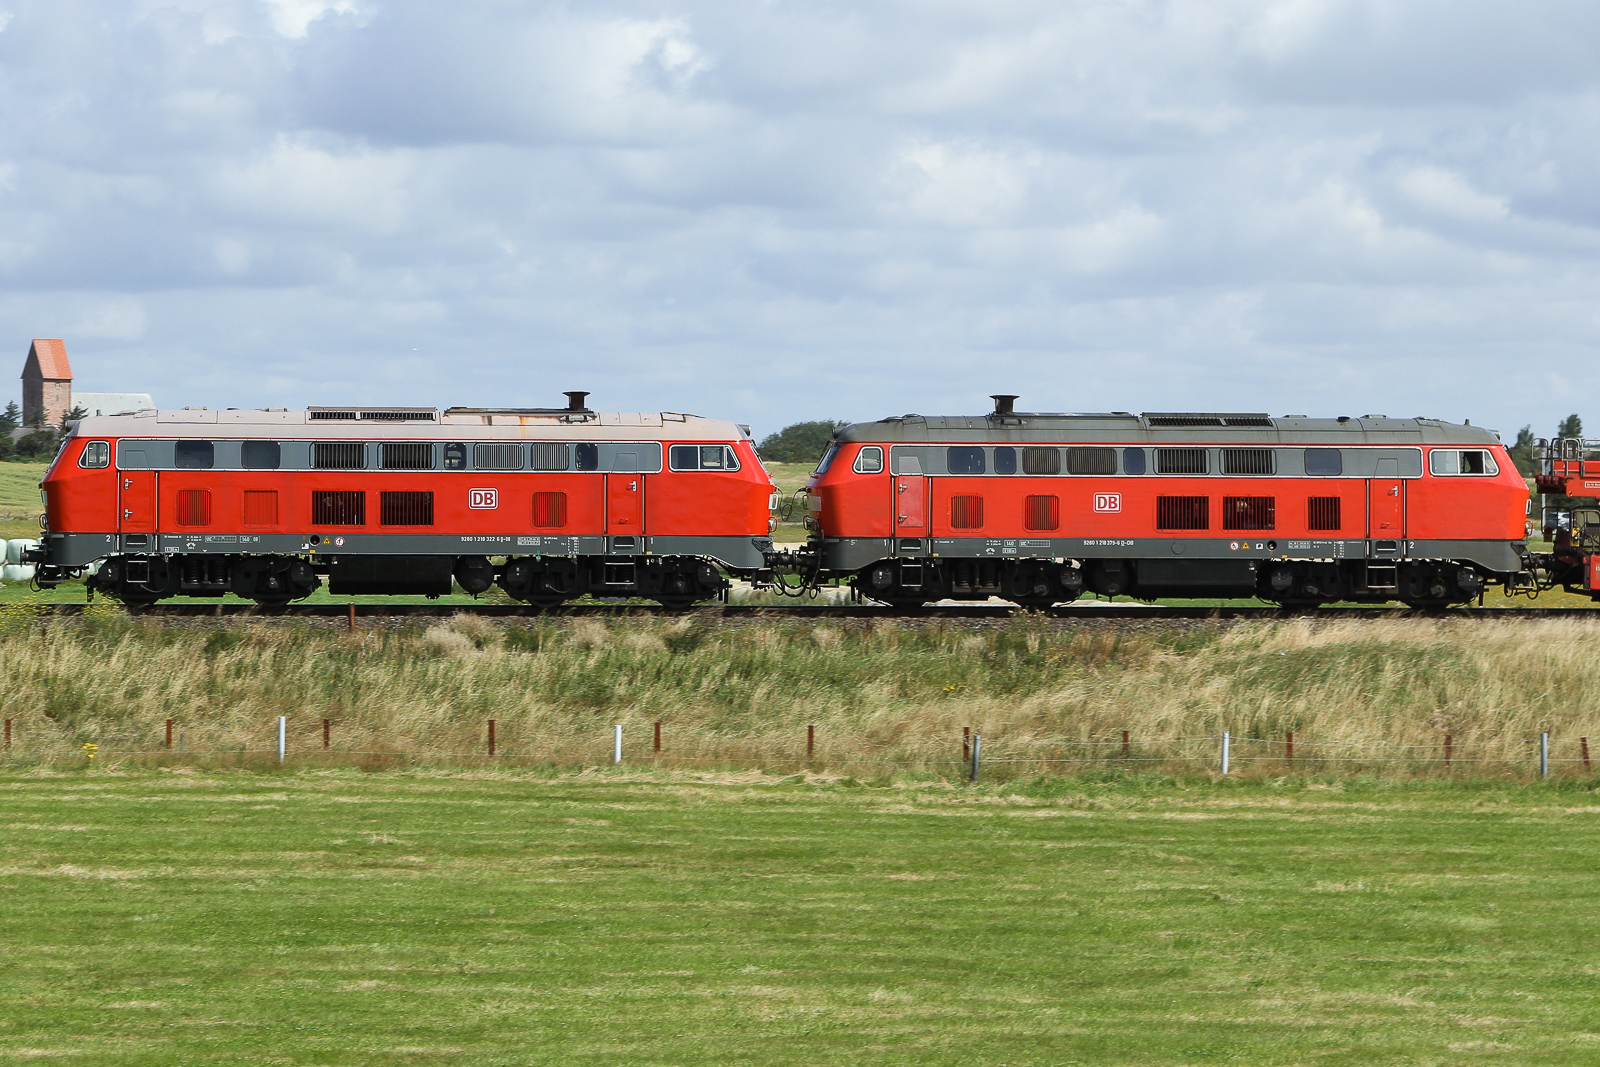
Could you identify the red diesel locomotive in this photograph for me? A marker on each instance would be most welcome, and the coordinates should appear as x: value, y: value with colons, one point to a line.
x: 549, y: 504
x: 1035, y: 508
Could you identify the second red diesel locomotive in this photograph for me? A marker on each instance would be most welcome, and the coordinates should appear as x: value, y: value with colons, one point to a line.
x: 1036, y: 508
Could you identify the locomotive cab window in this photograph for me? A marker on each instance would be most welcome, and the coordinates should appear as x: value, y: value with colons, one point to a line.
x: 964, y: 460
x: 702, y: 458
x: 869, y: 460
x: 194, y: 455
x: 1463, y: 461
x: 1324, y: 462
x: 260, y: 455
x: 95, y: 454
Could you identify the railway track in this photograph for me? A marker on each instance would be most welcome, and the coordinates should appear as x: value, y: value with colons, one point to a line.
x: 823, y: 612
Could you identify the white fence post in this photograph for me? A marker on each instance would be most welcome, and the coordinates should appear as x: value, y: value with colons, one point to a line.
x: 616, y: 755
x: 283, y: 732
x: 1544, y: 755
x: 977, y: 747
x: 1225, y: 752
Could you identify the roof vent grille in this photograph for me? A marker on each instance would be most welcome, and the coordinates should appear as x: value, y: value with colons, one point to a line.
x: 372, y: 414
x: 1188, y: 418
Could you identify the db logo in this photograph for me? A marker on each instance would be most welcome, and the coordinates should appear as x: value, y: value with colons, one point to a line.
x: 483, y: 498
x: 1108, y: 501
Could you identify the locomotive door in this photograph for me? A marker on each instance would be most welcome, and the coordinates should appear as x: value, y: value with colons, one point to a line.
x: 625, y: 504
x: 911, y: 506
x: 1386, y: 508
x: 136, y: 501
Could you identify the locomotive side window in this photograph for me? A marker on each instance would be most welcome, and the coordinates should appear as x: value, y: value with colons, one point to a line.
x: 455, y: 456
x: 1133, y: 461
x: 338, y: 455
x: 1183, y: 513
x: 869, y: 460
x: 1181, y: 461
x: 1324, y: 462
x: 1005, y: 460
x: 260, y: 455
x: 194, y: 455
x: 549, y: 456
x: 586, y: 457
x: 1466, y: 461
x: 506, y: 457
x: 702, y: 458
x: 964, y: 460
x: 1041, y: 513
x: 966, y: 512
x: 95, y: 454
x: 1041, y: 461
x: 405, y: 456
x: 1247, y: 461
x: 827, y: 459
x: 1091, y: 461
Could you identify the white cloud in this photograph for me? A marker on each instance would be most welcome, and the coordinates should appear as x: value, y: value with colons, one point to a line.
x: 1451, y: 194
x: 293, y: 18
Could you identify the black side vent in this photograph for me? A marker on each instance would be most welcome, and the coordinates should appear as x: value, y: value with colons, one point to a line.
x: 1180, y: 461
x: 324, y: 414
x: 1248, y: 420
x: 1247, y: 461
x: 338, y: 455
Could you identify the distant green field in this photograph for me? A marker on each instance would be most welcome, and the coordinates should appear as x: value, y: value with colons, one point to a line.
x: 335, y: 917
x: 19, y: 498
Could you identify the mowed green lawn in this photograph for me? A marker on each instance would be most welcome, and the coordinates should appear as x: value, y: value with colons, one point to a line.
x: 385, y: 918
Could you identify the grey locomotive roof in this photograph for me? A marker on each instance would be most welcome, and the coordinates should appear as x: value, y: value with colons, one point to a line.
x: 1164, y: 427
x: 420, y: 424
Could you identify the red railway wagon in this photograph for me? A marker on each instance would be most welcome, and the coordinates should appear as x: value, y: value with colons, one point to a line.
x: 1036, y: 508
x: 549, y: 504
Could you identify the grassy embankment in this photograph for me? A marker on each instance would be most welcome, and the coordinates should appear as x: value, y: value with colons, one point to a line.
x: 348, y: 918
x: 879, y: 695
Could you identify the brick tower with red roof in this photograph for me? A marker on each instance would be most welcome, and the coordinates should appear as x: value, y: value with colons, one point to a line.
x: 46, y: 383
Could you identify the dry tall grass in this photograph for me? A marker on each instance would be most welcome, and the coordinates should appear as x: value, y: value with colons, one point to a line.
x: 887, y: 692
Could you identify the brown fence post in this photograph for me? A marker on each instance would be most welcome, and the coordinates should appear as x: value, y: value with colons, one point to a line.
x: 1125, y: 753
x: 966, y: 744
x: 658, y: 739
x: 351, y: 617
x: 1288, y: 746
x: 8, y: 733
x: 491, y: 737
x: 1583, y: 742
x: 326, y: 731
x: 169, y: 733
x: 811, y: 741
x: 1447, y: 745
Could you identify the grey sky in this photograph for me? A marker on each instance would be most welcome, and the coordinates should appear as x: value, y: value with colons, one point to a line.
x: 775, y: 211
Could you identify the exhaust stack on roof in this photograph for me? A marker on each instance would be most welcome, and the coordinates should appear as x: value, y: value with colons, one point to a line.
x: 1003, y: 403
x: 575, y: 401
